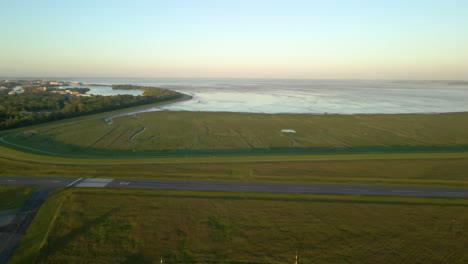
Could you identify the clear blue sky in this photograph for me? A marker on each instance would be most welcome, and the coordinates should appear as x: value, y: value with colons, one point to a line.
x: 391, y: 39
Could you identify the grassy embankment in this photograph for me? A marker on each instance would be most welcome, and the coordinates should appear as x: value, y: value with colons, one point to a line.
x: 14, y: 197
x: 129, y: 226
x: 418, y: 172
x: 202, y: 133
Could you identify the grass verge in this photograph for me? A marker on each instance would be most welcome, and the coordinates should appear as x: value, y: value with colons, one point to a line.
x: 141, y: 226
x: 419, y: 172
x: 14, y: 197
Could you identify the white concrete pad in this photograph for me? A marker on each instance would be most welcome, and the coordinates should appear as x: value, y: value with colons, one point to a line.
x: 95, y: 183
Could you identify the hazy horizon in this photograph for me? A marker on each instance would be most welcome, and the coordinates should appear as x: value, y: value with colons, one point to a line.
x: 68, y: 78
x: 298, y: 39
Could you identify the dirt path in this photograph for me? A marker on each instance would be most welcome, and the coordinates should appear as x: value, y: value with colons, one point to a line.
x: 137, y: 133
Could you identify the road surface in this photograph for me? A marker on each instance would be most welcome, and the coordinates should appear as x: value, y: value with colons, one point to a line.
x: 51, y: 183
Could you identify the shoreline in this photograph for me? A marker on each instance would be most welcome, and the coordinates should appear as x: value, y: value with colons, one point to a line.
x: 190, y: 97
x: 263, y: 113
x: 258, y: 109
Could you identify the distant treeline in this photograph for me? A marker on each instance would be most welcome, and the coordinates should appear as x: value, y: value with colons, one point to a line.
x: 77, y: 89
x: 31, y: 108
x: 147, y: 91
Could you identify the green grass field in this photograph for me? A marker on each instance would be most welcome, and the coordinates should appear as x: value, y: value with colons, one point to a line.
x: 128, y: 226
x: 358, y: 131
x: 14, y: 197
x: 424, y: 172
x: 227, y: 134
x: 188, y: 133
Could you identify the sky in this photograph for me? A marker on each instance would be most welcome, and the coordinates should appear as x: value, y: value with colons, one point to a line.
x: 298, y: 39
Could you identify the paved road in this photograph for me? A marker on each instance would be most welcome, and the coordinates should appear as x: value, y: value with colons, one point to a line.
x: 289, y: 188
x: 237, y: 186
x: 41, y: 182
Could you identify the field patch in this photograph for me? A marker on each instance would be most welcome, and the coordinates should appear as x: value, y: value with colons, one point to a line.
x: 189, y: 131
x: 129, y: 226
x: 13, y: 197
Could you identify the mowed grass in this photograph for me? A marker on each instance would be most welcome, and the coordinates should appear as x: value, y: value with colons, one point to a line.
x: 247, y: 131
x: 14, y: 197
x: 424, y: 172
x: 128, y: 226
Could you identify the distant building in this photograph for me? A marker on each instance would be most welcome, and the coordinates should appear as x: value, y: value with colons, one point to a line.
x: 40, y: 89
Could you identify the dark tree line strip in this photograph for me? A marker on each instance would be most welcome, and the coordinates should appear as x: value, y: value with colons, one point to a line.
x: 31, y: 108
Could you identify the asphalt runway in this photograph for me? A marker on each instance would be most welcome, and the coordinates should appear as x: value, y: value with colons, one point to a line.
x: 51, y: 183
x: 289, y: 188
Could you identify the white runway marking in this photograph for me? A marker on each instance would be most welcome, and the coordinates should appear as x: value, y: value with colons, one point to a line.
x: 74, y: 182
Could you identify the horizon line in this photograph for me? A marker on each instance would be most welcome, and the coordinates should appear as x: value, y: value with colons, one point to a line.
x: 223, y: 78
